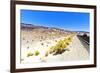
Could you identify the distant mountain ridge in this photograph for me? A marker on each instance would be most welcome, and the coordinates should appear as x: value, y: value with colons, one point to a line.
x: 32, y: 26
x: 23, y: 25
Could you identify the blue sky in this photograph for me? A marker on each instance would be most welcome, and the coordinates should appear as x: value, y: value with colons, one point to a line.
x: 74, y: 21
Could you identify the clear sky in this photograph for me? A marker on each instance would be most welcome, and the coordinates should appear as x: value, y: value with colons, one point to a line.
x: 74, y: 21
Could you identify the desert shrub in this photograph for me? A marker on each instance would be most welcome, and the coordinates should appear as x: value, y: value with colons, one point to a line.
x: 42, y: 44
x: 29, y: 54
x: 41, y: 37
x: 55, y: 40
x: 69, y: 39
x: 46, y: 54
x: 28, y: 47
x: 60, y: 46
x: 23, y: 38
x: 36, y: 53
x: 40, y: 40
x: 67, y: 43
x: 27, y: 41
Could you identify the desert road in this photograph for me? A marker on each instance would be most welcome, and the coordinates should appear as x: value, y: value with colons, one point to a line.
x: 85, y: 43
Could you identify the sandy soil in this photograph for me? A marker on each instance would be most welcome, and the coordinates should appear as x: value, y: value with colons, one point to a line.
x: 36, y: 41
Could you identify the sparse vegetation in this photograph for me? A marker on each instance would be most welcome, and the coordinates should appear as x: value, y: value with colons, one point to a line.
x: 35, y: 41
x: 42, y: 43
x: 41, y: 37
x: 28, y: 47
x: 55, y: 40
x: 46, y: 54
x: 40, y: 40
x: 23, y: 38
x: 61, y: 46
x: 48, y: 42
x: 36, y: 53
x: 29, y: 54
x: 27, y: 41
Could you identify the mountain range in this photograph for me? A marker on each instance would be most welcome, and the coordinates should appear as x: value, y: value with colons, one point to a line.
x: 33, y: 26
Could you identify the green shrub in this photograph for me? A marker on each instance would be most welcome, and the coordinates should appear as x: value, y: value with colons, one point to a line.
x: 36, y: 53
x: 29, y: 54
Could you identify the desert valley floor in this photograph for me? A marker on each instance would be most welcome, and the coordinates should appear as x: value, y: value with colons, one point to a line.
x: 51, y: 45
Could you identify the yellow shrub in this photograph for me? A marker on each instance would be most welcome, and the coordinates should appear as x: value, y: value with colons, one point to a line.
x: 61, y: 45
